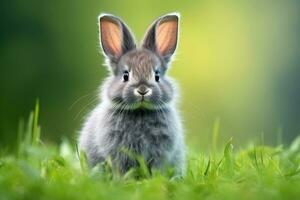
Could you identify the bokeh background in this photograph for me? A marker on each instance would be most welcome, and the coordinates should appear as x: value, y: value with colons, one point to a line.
x: 237, y: 65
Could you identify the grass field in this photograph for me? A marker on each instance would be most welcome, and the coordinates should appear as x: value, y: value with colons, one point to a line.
x: 43, y: 171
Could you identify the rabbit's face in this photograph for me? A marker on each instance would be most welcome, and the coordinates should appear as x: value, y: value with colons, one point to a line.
x: 139, y: 81
x: 138, y: 74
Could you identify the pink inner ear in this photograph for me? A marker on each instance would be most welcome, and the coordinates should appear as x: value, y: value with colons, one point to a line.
x: 166, y: 36
x: 111, y: 37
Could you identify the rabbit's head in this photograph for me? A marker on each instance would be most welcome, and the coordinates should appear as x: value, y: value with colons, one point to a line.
x: 138, y: 73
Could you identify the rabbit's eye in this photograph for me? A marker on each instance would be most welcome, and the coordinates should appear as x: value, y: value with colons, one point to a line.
x: 125, y: 76
x: 156, y: 76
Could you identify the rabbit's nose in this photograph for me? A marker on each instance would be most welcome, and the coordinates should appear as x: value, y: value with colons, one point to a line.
x: 142, y: 90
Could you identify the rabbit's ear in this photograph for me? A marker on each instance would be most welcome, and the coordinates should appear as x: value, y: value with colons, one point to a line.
x: 115, y: 37
x: 162, y: 36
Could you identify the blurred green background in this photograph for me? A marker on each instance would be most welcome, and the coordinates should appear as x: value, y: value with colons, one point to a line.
x: 237, y: 62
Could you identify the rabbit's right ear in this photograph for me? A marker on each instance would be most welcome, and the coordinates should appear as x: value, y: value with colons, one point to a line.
x: 162, y: 36
x: 115, y: 37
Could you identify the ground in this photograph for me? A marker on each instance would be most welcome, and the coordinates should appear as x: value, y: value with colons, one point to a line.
x: 47, y: 171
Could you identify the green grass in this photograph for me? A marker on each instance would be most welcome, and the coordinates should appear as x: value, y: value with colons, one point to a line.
x: 39, y: 171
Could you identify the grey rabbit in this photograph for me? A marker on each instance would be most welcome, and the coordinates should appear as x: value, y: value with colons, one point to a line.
x: 137, y: 111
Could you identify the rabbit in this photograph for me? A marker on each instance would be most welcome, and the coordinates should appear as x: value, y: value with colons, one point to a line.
x: 138, y: 110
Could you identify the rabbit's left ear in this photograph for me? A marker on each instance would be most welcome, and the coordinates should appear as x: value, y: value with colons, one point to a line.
x: 162, y: 36
x: 115, y: 37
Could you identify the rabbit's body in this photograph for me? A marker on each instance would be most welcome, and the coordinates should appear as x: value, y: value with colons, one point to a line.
x: 155, y: 135
x: 137, y: 115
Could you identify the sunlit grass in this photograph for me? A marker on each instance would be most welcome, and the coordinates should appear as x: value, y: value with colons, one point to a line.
x: 42, y: 171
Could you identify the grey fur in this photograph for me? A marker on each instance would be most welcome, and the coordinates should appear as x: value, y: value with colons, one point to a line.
x: 122, y: 120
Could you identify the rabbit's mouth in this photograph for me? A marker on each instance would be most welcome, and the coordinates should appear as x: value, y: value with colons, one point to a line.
x: 144, y: 104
